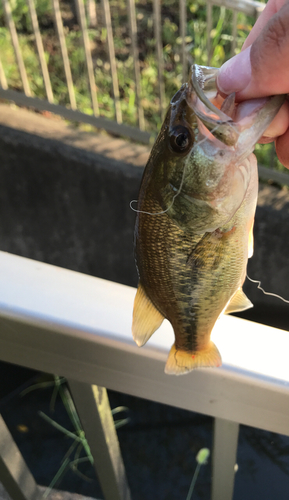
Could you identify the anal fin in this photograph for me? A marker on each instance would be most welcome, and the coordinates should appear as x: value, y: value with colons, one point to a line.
x: 146, y: 318
x: 180, y: 362
x: 238, y: 303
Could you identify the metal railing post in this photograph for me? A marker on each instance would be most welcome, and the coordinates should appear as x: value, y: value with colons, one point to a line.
x: 14, y: 473
x: 64, y: 53
x: 183, y: 28
x: 112, y: 60
x: 88, y: 57
x: 136, y: 65
x: 94, y: 411
x: 15, y: 42
x: 91, y: 13
x: 3, y: 81
x: 40, y: 50
x: 234, y: 33
x: 209, y: 29
x: 159, y: 54
x: 224, y: 458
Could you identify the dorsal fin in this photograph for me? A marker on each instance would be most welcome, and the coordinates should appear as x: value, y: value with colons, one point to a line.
x: 146, y: 318
x: 238, y: 303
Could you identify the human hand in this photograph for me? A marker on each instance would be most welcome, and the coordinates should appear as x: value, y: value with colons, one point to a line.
x: 262, y: 69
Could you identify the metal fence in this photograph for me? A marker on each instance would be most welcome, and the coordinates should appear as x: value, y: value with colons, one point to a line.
x: 94, y: 22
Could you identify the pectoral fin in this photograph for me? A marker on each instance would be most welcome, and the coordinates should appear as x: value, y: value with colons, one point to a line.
x: 238, y: 303
x: 146, y: 318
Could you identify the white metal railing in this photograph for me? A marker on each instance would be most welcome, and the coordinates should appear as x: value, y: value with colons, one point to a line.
x: 60, y: 321
x: 249, y: 7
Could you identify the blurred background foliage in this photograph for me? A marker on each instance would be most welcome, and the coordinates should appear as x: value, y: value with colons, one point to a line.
x: 196, y: 48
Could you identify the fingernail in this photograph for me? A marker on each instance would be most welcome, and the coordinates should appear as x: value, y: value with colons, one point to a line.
x: 235, y: 74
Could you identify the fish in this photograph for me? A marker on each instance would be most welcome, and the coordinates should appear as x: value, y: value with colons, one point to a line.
x: 195, y: 215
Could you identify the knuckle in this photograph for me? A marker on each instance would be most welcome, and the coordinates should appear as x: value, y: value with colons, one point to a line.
x: 270, y: 51
x: 277, y: 33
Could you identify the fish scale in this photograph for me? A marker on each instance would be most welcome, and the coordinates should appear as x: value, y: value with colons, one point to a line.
x: 195, y: 214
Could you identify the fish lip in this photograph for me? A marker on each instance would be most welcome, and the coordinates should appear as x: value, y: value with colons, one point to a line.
x: 229, y: 131
x: 178, y: 95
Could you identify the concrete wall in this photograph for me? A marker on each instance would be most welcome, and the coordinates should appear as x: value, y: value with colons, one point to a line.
x: 69, y: 206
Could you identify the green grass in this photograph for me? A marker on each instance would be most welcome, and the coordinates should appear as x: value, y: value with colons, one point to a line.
x: 79, y: 450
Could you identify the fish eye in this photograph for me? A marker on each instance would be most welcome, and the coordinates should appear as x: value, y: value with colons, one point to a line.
x: 180, y: 139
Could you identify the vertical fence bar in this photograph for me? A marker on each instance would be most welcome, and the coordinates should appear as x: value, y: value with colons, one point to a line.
x: 40, y: 51
x: 135, y: 56
x: 259, y: 10
x: 14, y: 473
x: 224, y: 458
x: 94, y: 411
x: 160, y: 58
x: 88, y: 58
x: 91, y: 13
x: 63, y: 48
x: 3, y: 81
x: 234, y: 33
x: 16, y: 47
x: 112, y: 61
x: 209, y: 29
x: 183, y: 24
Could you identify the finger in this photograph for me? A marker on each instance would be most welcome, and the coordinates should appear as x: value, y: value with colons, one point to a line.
x: 260, y: 70
x: 272, y: 7
x: 270, y: 73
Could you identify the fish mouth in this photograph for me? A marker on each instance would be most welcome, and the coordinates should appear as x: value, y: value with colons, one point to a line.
x: 236, y: 125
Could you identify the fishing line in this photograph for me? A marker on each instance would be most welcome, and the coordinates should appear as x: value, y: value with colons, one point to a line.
x: 181, y: 185
x: 267, y: 293
x: 172, y: 202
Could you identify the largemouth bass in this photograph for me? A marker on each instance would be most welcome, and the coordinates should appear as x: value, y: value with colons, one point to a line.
x: 195, y: 215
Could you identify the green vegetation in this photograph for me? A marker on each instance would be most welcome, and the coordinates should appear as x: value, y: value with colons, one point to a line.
x: 202, y: 459
x: 79, y: 450
x: 196, y: 48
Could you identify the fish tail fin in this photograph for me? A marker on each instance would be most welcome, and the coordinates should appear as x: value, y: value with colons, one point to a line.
x: 180, y: 362
x: 146, y: 318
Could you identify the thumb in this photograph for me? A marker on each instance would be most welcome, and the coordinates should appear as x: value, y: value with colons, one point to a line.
x: 261, y: 69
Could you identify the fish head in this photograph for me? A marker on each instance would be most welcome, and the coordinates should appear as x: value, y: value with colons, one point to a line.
x: 205, y: 149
